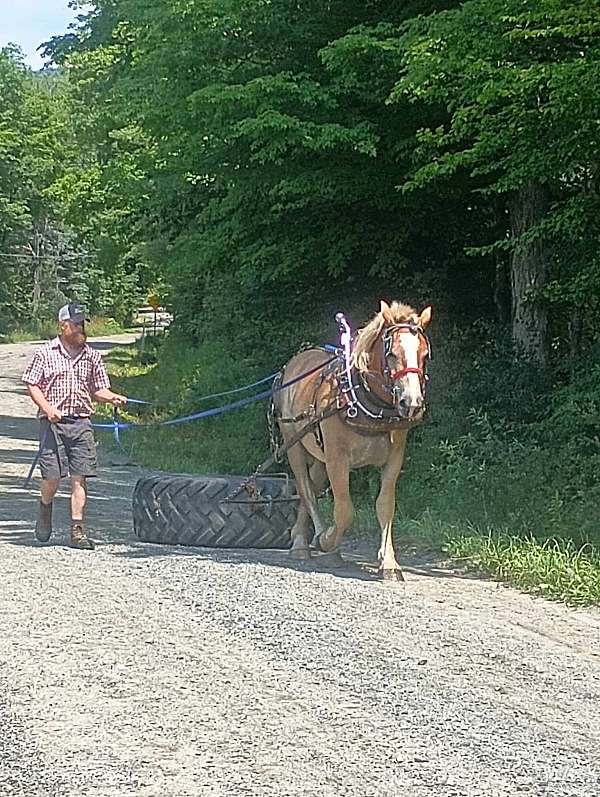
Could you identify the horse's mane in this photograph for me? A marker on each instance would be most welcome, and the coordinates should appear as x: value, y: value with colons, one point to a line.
x: 366, y: 337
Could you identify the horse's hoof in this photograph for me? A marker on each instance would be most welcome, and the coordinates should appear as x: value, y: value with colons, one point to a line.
x: 333, y: 559
x: 326, y: 542
x: 391, y: 575
x: 301, y: 554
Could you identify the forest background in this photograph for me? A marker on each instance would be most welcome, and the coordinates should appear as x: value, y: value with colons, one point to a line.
x: 261, y: 164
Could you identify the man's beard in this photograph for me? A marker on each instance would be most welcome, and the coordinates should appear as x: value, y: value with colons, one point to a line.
x: 76, y: 339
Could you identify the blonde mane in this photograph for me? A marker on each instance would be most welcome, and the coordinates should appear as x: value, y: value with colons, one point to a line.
x: 366, y: 337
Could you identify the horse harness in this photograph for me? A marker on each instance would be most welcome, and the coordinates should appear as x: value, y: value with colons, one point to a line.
x: 363, y: 410
x: 310, y: 414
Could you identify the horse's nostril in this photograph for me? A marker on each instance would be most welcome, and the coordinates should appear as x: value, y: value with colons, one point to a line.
x: 404, y: 404
x: 408, y: 404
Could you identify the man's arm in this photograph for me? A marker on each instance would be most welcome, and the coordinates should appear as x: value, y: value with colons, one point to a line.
x: 107, y: 396
x: 101, y: 386
x: 39, y: 399
x: 33, y: 376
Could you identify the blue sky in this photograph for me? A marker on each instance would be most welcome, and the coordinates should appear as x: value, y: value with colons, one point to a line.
x: 28, y: 23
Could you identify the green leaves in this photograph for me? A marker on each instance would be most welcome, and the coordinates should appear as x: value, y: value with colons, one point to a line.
x: 339, y: 141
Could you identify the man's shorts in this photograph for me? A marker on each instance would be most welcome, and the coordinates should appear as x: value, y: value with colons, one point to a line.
x: 69, y: 448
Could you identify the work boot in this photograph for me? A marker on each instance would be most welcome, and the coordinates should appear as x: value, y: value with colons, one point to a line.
x: 79, y: 538
x: 43, y: 525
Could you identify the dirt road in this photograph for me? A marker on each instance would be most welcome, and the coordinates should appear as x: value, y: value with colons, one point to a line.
x: 172, y: 672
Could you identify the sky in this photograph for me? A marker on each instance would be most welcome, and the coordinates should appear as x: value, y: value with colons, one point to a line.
x: 28, y: 23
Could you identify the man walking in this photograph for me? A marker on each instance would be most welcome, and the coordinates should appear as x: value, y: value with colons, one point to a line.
x: 63, y: 378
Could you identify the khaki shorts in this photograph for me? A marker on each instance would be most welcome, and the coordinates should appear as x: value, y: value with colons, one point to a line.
x: 69, y: 448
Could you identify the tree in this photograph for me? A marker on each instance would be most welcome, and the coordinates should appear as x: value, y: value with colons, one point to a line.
x: 255, y: 157
x: 43, y: 260
x: 519, y: 82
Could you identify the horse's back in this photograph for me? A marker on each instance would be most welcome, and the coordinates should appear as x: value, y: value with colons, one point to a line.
x: 294, y: 399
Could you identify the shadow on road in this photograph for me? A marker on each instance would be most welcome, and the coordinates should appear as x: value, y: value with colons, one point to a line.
x: 110, y: 522
x: 357, y: 562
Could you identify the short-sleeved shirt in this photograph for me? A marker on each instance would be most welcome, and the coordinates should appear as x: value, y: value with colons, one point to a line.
x: 67, y: 383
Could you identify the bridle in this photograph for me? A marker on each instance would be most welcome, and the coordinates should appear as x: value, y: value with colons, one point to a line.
x: 368, y: 392
x: 388, y: 338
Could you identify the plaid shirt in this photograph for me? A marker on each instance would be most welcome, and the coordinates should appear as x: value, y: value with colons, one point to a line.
x: 67, y: 384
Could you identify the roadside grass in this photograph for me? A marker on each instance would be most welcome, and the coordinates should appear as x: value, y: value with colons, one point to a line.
x: 35, y: 331
x: 229, y: 443
x: 45, y: 330
x: 98, y: 326
x: 469, y: 492
x: 553, y: 568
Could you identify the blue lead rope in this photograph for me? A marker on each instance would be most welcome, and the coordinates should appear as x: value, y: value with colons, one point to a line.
x: 116, y: 425
x: 224, y: 392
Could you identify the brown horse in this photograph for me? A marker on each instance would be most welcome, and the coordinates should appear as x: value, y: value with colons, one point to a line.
x: 358, y: 410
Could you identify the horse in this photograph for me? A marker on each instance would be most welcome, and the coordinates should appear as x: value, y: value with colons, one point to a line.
x: 355, y: 410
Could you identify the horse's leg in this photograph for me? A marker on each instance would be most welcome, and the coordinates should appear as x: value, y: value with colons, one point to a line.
x: 318, y: 476
x: 386, y: 505
x: 339, y: 478
x: 298, y: 459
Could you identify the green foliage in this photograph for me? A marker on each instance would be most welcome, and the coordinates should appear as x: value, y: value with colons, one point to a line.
x: 556, y: 569
x: 44, y: 260
x: 356, y: 141
x: 520, y: 85
x: 235, y: 147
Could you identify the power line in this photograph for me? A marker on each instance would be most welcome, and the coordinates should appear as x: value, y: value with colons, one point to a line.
x: 46, y: 257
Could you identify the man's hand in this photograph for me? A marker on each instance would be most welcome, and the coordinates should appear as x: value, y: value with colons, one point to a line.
x: 106, y: 395
x: 53, y: 414
x: 117, y: 400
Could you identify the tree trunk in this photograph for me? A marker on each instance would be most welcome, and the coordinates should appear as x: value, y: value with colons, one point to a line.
x: 501, y: 285
x: 528, y: 272
x: 39, y: 277
x: 502, y: 294
x: 36, y: 298
x: 575, y: 336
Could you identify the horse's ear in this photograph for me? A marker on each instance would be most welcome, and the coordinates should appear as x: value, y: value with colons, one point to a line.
x: 425, y: 316
x: 386, y: 312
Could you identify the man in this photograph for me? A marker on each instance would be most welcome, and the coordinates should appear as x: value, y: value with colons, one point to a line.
x: 63, y: 378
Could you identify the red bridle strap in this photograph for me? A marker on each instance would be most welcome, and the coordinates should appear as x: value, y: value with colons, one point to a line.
x: 399, y: 374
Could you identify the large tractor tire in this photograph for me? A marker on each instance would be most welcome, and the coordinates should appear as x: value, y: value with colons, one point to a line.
x: 215, y: 511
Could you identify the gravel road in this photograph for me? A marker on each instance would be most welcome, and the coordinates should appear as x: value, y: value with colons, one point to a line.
x: 171, y: 672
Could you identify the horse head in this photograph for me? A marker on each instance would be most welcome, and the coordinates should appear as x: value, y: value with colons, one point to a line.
x: 391, y: 353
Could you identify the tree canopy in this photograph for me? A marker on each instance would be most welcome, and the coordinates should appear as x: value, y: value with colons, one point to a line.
x: 199, y: 147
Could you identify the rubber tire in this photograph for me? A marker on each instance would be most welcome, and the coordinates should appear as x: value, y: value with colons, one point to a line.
x: 182, y: 509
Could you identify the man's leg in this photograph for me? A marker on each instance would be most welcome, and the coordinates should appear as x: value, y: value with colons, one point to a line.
x: 78, y: 498
x: 48, y: 490
x: 52, y: 466
x: 82, y: 463
x: 43, y: 526
x: 79, y: 538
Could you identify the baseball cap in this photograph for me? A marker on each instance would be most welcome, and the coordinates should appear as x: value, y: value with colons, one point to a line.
x: 72, y: 312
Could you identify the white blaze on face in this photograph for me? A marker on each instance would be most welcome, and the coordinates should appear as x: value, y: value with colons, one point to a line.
x: 410, y: 344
